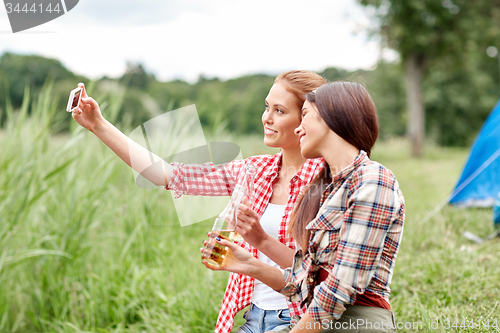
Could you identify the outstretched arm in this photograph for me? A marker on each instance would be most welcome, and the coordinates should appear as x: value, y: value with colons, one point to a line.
x: 148, y: 164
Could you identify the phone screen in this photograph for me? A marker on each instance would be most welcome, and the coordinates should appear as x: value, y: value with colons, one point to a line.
x: 76, y: 99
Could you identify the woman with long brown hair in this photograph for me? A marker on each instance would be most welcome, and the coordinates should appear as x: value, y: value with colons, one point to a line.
x: 278, y: 181
x: 348, y: 223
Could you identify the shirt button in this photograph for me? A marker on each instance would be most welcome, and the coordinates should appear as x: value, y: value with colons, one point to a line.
x: 311, y: 280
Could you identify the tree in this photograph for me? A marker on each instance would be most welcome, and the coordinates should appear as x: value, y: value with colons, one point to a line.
x: 429, y: 31
x: 136, y: 76
x: 19, y: 71
x: 386, y: 86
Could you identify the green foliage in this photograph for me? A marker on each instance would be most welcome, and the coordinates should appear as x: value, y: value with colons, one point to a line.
x: 435, y: 28
x: 236, y: 104
x: 439, y: 274
x: 386, y: 86
x: 335, y: 74
x: 136, y: 76
x: 449, y: 39
x: 172, y: 95
x: 19, y: 71
x: 84, y: 249
x: 456, y: 111
x: 458, y: 97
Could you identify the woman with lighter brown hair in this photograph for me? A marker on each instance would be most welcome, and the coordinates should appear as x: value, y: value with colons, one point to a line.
x: 348, y: 223
x: 279, y: 179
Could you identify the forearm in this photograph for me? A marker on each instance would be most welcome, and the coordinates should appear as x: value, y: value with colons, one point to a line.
x: 268, y: 275
x: 307, y: 324
x: 148, y: 164
x: 277, y: 251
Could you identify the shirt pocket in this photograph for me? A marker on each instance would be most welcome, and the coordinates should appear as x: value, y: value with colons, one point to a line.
x: 325, y: 235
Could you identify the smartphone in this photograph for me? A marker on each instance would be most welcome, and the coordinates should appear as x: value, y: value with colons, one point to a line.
x: 75, y: 96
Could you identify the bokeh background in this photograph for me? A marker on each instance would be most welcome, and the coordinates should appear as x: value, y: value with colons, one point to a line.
x: 83, y: 249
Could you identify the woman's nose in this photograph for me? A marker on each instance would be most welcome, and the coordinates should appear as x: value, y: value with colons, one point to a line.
x: 298, y: 130
x: 266, y: 117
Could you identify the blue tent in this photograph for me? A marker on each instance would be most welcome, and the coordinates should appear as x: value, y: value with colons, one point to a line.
x: 479, y: 183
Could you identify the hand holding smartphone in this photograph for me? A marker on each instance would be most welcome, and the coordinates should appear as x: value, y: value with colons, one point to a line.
x: 75, y: 96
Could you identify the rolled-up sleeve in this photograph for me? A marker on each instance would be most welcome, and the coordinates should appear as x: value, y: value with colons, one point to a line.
x: 290, y: 288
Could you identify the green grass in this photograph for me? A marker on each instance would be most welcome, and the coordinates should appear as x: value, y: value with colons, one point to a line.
x: 82, y: 248
x: 439, y: 274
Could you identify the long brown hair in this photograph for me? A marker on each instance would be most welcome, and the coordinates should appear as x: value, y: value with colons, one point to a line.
x: 300, y: 83
x: 349, y: 111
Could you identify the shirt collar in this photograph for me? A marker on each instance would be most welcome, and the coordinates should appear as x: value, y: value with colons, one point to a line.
x: 306, y: 171
x: 273, y: 170
x: 344, y: 173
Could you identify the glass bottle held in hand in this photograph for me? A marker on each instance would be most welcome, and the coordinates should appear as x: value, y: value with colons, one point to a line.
x: 225, y: 224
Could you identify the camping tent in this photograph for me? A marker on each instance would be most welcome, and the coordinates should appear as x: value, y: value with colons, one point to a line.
x: 479, y: 183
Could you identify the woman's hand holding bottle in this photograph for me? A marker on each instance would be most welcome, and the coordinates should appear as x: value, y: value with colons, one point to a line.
x: 237, y: 259
x: 249, y: 226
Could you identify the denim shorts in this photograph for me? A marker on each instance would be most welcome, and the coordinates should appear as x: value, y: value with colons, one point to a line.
x: 260, y: 321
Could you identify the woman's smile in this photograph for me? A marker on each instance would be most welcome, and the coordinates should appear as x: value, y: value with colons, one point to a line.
x: 268, y: 131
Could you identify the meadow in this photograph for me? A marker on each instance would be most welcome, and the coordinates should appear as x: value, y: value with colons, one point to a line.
x: 83, y: 249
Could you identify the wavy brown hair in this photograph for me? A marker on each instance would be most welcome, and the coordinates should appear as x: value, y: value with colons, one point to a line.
x: 349, y: 111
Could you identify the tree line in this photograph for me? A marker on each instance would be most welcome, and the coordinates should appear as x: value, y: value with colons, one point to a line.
x: 457, y: 100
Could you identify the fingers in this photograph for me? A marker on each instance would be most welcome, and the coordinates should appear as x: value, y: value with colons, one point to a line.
x: 89, y: 101
x: 226, y: 243
x: 88, y: 105
x: 204, y: 250
x: 244, y: 209
x: 84, y: 92
x: 247, y: 211
x: 245, y: 226
x: 213, y: 268
x: 85, y: 98
x: 77, y: 111
x: 247, y: 220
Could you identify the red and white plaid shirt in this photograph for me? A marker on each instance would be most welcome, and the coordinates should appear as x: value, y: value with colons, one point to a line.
x: 219, y: 180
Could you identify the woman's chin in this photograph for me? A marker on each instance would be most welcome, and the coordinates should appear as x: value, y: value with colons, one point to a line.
x: 270, y: 143
x: 307, y: 153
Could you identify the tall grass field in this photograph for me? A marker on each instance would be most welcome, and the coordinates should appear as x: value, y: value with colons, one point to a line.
x: 83, y: 249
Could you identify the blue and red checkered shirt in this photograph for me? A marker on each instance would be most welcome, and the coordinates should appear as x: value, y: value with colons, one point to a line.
x: 355, y: 237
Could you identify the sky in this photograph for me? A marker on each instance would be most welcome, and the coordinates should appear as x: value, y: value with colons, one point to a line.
x: 183, y: 39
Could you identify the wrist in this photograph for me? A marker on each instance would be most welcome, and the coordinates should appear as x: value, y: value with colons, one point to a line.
x: 253, y: 267
x: 99, y: 126
x: 265, y: 241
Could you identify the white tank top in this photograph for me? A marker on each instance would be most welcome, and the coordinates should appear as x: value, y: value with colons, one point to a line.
x: 263, y: 296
